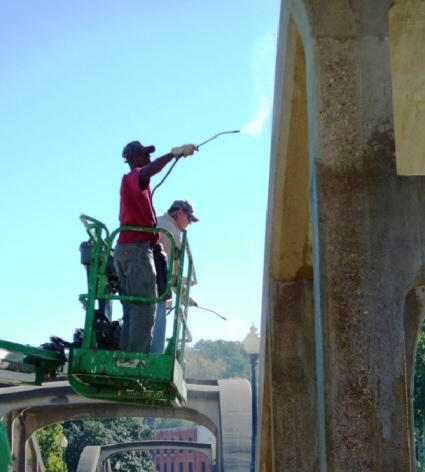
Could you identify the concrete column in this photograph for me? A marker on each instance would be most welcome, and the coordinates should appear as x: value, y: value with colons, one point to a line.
x: 367, y: 227
x: 294, y: 412
x: 18, y: 445
x: 369, y: 231
x: 34, y: 461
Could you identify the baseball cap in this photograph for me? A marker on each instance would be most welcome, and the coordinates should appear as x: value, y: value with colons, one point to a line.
x: 186, y: 206
x: 136, y: 147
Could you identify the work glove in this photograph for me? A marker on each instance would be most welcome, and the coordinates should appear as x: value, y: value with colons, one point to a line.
x: 185, y: 150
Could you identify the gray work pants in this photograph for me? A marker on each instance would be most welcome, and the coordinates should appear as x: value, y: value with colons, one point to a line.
x: 137, y: 276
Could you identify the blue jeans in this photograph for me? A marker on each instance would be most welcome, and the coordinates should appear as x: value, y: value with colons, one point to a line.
x: 137, y: 276
x: 158, y: 341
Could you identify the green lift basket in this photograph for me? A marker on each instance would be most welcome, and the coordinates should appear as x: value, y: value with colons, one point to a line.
x: 5, y: 454
x: 131, y: 377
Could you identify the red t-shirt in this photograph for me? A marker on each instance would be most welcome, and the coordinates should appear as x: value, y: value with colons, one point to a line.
x: 136, y: 209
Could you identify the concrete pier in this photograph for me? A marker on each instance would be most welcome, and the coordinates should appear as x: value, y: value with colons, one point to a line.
x: 345, y: 238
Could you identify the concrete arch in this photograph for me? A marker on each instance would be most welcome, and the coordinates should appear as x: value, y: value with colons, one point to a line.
x: 289, y: 391
x: 58, y: 402
x: 25, y: 409
x: 89, y: 459
x: 96, y: 458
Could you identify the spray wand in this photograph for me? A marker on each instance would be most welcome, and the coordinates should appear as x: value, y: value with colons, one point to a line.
x: 212, y: 311
x: 199, y: 145
x: 223, y: 132
x: 202, y: 308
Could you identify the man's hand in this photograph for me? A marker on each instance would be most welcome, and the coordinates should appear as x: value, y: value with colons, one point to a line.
x: 184, y: 151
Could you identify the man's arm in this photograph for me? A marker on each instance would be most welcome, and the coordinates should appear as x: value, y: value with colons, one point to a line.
x: 158, y: 164
x: 154, y: 168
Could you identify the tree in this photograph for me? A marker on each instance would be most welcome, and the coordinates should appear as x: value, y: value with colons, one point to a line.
x: 419, y: 399
x: 419, y: 390
x: 168, y: 423
x: 49, y: 439
x: 94, y: 432
x: 217, y: 360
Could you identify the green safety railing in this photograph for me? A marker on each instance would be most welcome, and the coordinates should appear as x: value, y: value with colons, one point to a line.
x: 149, y: 379
x: 43, y: 363
x: 103, y: 242
x: 132, y: 377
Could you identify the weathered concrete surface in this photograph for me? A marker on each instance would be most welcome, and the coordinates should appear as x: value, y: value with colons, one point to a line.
x: 343, y: 221
x: 294, y: 410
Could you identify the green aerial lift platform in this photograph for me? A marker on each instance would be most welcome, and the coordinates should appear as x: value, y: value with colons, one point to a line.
x: 106, y: 373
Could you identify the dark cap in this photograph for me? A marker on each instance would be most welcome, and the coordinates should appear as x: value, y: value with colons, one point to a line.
x: 186, y: 206
x: 136, y: 148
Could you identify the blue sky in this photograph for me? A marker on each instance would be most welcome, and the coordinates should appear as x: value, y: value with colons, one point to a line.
x: 79, y: 79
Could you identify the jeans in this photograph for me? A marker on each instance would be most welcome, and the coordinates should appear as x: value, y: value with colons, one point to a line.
x: 158, y: 341
x: 136, y: 272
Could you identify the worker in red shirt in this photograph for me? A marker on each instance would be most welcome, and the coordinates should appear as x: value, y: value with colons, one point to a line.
x: 133, y: 258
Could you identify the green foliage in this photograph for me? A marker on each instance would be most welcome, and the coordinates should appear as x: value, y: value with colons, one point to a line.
x: 49, y: 439
x: 94, y: 432
x: 220, y: 359
x: 168, y: 423
x: 419, y: 399
x: 5, y: 454
x: 419, y: 391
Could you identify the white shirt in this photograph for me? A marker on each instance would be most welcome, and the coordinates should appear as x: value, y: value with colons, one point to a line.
x: 166, y: 222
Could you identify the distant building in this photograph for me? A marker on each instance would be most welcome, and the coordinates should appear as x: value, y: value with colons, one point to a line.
x: 183, y: 460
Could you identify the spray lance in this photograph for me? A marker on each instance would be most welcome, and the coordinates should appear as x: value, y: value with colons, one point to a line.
x: 202, y: 308
x: 216, y: 136
x: 199, y: 145
x: 212, y: 311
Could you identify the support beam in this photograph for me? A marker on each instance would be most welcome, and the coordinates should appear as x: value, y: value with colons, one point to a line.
x: 362, y: 230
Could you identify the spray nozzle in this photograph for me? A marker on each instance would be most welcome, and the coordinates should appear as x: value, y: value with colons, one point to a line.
x: 223, y: 132
x: 175, y: 162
